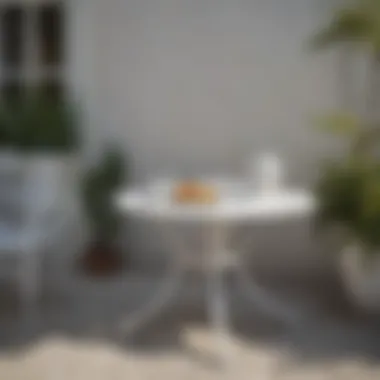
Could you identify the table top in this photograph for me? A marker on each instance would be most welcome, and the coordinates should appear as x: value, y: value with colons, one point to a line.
x: 232, y: 206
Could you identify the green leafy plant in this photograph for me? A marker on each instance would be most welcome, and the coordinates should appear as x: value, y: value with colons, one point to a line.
x: 356, y: 23
x: 98, y: 188
x: 352, y: 27
x: 348, y: 193
x: 48, y: 125
x: 358, y: 134
x: 348, y: 189
x: 37, y: 123
x: 10, y: 127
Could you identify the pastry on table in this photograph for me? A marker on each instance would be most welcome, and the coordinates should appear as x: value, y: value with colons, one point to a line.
x: 194, y: 192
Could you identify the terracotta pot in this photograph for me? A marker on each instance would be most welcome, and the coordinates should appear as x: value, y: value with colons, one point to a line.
x: 101, y: 260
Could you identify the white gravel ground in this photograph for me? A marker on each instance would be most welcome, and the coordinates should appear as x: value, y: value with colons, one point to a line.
x: 73, y: 338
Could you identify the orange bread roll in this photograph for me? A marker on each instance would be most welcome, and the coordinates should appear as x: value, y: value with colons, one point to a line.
x: 192, y: 192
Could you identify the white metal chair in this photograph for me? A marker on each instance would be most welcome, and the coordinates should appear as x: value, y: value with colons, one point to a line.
x: 28, y: 221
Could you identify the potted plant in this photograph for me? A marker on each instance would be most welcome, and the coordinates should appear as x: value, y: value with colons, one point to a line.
x: 348, y: 190
x: 43, y: 134
x: 10, y: 156
x: 36, y: 123
x: 348, y: 194
x: 48, y: 128
x: 98, y: 189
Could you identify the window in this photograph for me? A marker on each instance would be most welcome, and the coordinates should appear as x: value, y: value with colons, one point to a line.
x: 31, y: 47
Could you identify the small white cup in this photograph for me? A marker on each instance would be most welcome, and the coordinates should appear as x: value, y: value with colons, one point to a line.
x: 268, y: 173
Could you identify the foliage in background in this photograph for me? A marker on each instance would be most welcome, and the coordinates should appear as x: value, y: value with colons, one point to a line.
x: 357, y: 25
x: 98, y: 189
x: 360, y: 136
x: 37, y: 123
x: 349, y: 197
x: 9, y: 127
x: 348, y: 189
x: 48, y: 125
x: 357, y: 22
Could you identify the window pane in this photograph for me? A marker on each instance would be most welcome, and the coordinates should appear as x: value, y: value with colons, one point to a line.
x: 11, y: 24
x: 12, y: 91
x: 50, y: 33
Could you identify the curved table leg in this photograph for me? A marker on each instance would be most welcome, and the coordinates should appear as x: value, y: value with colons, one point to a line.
x: 264, y: 298
x: 163, y: 295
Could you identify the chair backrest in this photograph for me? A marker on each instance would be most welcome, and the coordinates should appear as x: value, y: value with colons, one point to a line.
x: 43, y: 189
x: 13, y: 188
x: 29, y: 188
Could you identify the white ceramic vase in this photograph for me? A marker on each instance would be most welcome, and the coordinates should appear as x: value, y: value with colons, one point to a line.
x: 361, y: 277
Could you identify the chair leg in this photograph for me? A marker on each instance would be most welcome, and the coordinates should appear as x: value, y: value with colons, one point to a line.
x: 29, y: 281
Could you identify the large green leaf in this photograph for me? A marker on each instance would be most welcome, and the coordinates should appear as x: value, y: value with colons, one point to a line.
x: 48, y: 125
x: 339, y: 123
x: 349, y: 196
x: 359, y: 22
x: 37, y: 123
x: 351, y: 25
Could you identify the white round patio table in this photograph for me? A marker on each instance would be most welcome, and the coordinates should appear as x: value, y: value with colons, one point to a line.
x: 237, y: 204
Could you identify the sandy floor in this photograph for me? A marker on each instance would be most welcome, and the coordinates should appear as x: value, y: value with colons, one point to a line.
x: 74, y: 336
x: 57, y: 358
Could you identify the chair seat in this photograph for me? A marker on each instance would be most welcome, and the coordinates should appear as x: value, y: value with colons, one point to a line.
x: 11, y: 238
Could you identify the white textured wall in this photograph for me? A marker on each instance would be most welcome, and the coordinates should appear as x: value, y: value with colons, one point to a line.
x: 217, y: 77
x: 196, y: 85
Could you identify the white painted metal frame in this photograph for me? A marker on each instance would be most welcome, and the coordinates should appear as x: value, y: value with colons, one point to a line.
x: 37, y: 228
x: 217, y: 223
x: 40, y: 224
